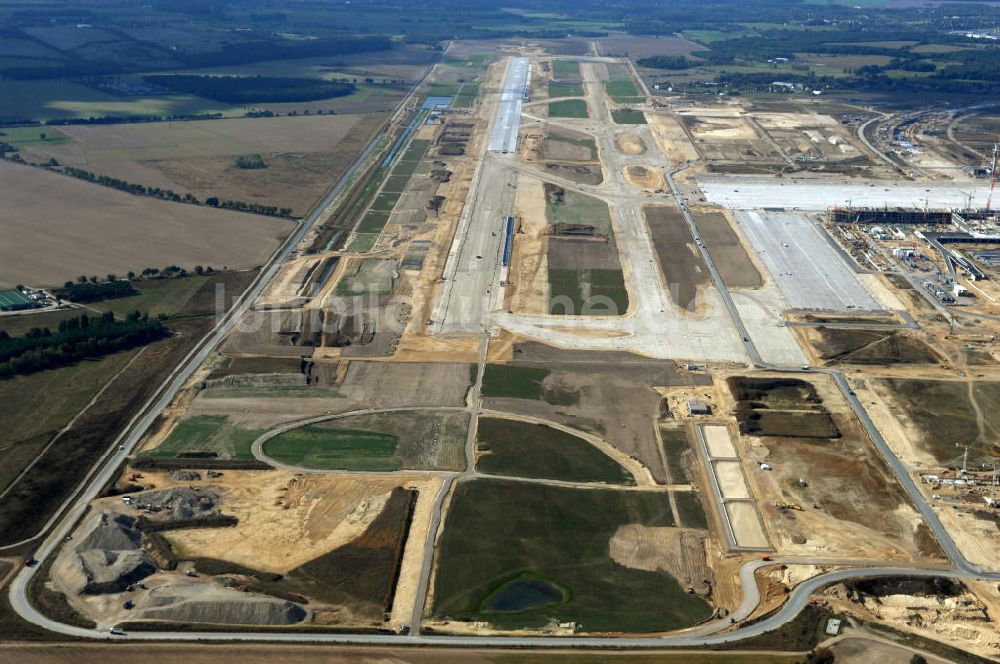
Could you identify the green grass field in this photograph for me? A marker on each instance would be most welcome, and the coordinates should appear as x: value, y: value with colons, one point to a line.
x: 506, y: 380
x: 17, y: 325
x: 156, y: 296
x: 474, y: 61
x: 690, y: 510
x: 565, y: 89
x: 498, y: 530
x: 374, y: 220
x: 623, y: 91
x: 589, y: 292
x: 279, y: 391
x: 524, y: 449
x: 674, y: 446
x: 466, y: 97
x: 577, y: 208
x: 318, y: 447
x: 373, y: 276
x: 443, y: 89
x: 566, y: 69
x: 21, y: 137
x: 568, y: 108
x: 208, y: 433
x: 363, y: 242
x: 628, y: 116
x: 39, y: 404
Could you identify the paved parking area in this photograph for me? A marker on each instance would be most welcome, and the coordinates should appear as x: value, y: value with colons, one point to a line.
x: 807, y: 269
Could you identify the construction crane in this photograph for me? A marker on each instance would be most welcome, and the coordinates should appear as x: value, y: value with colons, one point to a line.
x: 993, y: 178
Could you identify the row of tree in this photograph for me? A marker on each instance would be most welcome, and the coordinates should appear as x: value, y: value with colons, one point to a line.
x: 252, y: 89
x: 88, y: 291
x: 171, y: 195
x: 80, y: 338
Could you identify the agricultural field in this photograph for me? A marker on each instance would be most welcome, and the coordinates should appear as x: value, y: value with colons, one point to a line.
x: 63, y: 98
x: 38, y: 405
x: 568, y: 108
x: 89, y: 400
x: 522, y: 449
x: 147, y: 232
x: 302, y: 155
x: 520, y: 555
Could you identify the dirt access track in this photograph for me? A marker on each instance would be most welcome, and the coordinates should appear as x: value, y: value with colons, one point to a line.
x: 90, y: 229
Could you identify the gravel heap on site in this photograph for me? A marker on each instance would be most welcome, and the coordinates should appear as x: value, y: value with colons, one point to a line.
x: 179, y: 503
x: 208, y: 603
x: 107, y: 558
x: 185, y: 476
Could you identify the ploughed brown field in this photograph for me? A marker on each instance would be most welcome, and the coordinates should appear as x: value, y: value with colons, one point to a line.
x: 93, y: 230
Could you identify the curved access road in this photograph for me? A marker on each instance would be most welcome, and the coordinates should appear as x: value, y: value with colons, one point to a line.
x: 708, y: 634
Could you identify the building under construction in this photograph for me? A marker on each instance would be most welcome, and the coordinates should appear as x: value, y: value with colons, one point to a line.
x: 897, y: 215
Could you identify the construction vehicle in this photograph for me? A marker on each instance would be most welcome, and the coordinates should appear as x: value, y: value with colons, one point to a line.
x: 788, y: 506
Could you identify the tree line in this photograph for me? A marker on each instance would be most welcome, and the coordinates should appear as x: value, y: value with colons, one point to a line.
x: 89, y: 291
x: 238, y: 53
x: 79, y: 338
x: 252, y: 89
x: 171, y: 195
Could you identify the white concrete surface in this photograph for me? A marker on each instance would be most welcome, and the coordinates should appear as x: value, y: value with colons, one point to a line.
x: 747, y: 528
x: 738, y: 193
x: 507, y: 121
x: 731, y: 481
x: 810, y: 273
x: 762, y: 312
x: 719, y: 442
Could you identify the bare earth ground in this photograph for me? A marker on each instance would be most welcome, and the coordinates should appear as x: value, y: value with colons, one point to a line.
x: 286, y: 520
x: 851, y: 507
x: 90, y: 229
x: 304, y: 155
